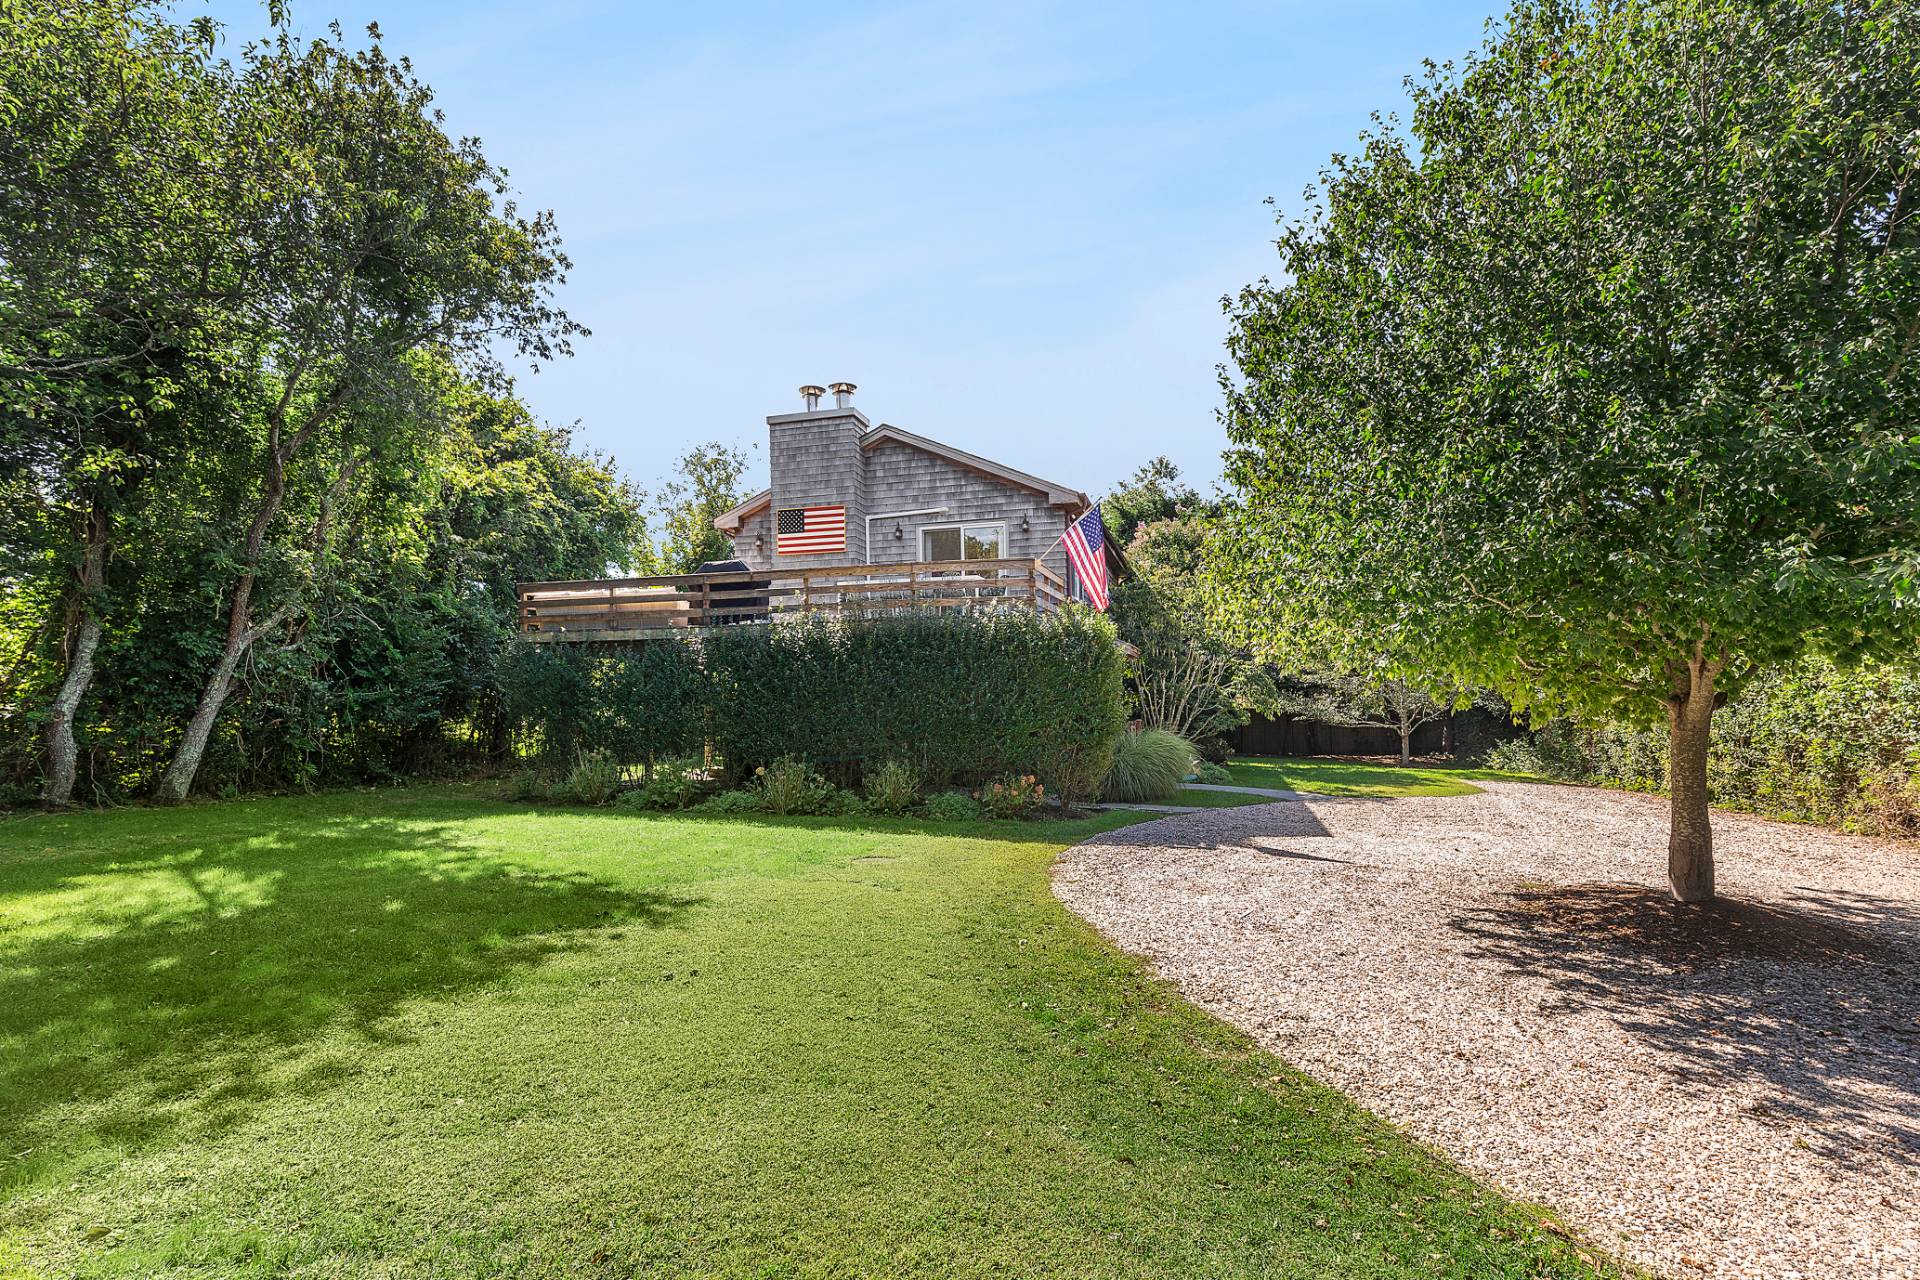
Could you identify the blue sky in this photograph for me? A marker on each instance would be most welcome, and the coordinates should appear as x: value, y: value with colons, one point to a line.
x: 1010, y: 224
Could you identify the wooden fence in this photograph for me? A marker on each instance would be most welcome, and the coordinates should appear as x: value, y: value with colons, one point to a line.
x: 627, y: 608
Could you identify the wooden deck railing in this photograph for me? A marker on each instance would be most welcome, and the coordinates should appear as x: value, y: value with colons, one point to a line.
x: 612, y: 608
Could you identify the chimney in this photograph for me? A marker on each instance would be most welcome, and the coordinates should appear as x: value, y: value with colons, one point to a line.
x: 843, y: 395
x: 810, y: 396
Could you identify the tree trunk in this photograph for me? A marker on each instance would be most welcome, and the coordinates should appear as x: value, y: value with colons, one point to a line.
x: 1690, y: 828
x: 1406, y: 745
x: 178, y: 779
x: 63, y: 752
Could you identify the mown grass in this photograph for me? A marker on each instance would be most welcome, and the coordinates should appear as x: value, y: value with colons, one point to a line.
x: 1357, y: 778
x: 428, y: 1032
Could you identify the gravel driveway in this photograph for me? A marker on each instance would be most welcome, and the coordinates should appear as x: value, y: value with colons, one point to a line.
x: 1733, y: 1092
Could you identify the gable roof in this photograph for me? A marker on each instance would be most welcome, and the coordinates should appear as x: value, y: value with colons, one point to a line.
x: 730, y: 521
x: 1057, y: 495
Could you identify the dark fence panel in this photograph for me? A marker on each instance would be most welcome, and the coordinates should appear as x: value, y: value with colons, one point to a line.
x: 1290, y: 736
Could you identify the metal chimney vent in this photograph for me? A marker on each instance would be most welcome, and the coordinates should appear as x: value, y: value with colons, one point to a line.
x: 810, y: 396
x: 843, y: 395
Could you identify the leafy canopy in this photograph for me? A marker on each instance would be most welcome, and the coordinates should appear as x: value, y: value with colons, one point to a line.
x: 1611, y: 361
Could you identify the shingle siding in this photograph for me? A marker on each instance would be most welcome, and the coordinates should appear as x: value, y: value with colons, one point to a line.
x: 817, y: 459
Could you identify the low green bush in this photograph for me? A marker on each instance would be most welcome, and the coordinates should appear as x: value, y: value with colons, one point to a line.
x: 892, y: 788
x: 671, y: 786
x: 846, y: 804
x: 594, y: 779
x: 952, y: 806
x: 745, y: 800
x: 1208, y: 771
x: 1148, y: 767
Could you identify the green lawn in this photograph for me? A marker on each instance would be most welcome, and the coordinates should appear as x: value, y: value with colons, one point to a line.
x: 426, y: 1032
x: 1350, y: 778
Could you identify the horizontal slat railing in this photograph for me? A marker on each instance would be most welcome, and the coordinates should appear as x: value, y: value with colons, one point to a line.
x: 679, y: 601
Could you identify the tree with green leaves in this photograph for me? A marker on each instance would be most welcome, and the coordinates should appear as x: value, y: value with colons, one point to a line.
x: 706, y: 483
x: 382, y: 238
x: 118, y: 217
x: 1155, y: 492
x: 1402, y: 705
x: 1598, y: 384
x: 1188, y: 679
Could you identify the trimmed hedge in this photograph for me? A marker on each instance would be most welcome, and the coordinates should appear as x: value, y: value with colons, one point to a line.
x: 959, y: 698
x: 956, y: 698
x: 638, y: 703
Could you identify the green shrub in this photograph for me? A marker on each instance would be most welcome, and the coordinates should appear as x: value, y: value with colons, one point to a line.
x: 1208, y: 771
x: 846, y: 804
x: 892, y: 788
x: 672, y: 786
x: 1148, y: 766
x: 531, y: 784
x: 1011, y: 796
x: 639, y: 703
x: 789, y: 785
x: 1812, y: 742
x: 745, y: 800
x: 594, y: 779
x: 952, y: 806
x: 956, y: 698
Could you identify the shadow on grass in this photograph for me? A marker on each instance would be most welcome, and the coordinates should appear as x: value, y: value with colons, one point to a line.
x: 1817, y: 998
x: 1051, y: 829
x: 167, y: 995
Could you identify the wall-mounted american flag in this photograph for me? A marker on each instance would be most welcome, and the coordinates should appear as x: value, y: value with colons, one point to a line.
x: 809, y: 531
x: 1086, y: 543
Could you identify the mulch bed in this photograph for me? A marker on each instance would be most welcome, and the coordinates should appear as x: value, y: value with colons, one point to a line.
x: 1730, y: 1092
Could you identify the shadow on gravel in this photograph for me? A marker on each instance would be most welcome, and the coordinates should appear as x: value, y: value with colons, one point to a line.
x: 1253, y: 827
x: 1817, y: 998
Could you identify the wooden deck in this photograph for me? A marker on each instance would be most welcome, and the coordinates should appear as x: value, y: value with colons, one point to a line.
x: 640, y: 608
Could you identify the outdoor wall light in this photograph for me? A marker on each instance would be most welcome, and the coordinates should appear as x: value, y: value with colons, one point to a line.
x: 1026, y: 524
x: 899, y: 534
x: 759, y: 542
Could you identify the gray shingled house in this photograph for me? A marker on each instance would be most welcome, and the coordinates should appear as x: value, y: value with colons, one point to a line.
x: 849, y: 502
x: 900, y: 496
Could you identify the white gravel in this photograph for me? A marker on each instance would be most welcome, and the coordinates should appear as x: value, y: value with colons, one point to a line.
x: 1729, y: 1093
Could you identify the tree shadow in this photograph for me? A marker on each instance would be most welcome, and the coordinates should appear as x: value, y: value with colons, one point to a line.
x: 1817, y: 998
x: 167, y: 996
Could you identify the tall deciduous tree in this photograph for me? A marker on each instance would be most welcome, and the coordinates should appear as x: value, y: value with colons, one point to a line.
x: 117, y: 251
x: 1600, y: 387
x: 383, y: 237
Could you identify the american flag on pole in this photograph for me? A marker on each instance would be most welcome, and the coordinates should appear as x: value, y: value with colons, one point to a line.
x: 809, y: 531
x: 1086, y: 544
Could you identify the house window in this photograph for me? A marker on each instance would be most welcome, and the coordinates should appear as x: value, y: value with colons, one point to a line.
x: 964, y: 542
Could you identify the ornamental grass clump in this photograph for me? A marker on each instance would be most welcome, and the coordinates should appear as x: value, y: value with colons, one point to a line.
x: 595, y: 778
x: 789, y: 785
x: 892, y: 789
x: 1148, y: 767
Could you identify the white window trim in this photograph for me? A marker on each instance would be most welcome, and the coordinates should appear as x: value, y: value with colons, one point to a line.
x: 922, y: 531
